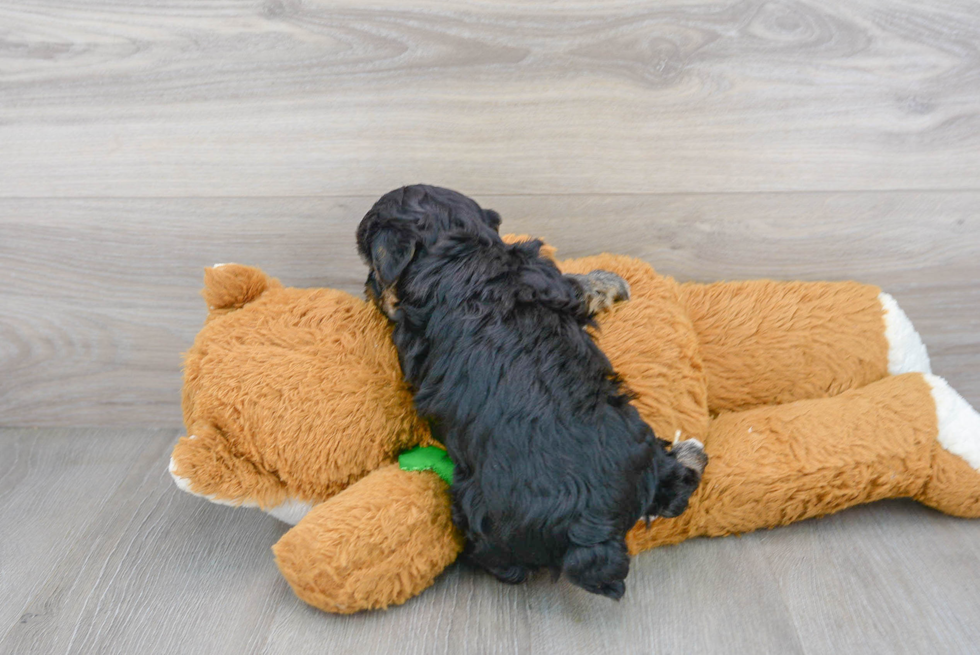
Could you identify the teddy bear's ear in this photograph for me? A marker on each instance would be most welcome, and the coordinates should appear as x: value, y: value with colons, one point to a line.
x: 231, y: 286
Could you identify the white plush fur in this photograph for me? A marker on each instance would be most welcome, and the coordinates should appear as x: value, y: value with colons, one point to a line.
x: 959, y: 423
x: 289, y: 511
x: 906, y: 352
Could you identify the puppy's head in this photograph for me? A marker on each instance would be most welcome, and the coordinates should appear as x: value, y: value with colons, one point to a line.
x: 405, y: 223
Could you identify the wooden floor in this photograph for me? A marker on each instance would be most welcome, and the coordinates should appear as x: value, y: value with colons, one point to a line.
x: 717, y: 139
x: 102, y: 554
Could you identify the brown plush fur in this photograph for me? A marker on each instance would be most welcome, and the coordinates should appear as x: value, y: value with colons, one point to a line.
x: 296, y: 393
x: 813, y: 457
x: 393, y: 527
x: 766, y: 342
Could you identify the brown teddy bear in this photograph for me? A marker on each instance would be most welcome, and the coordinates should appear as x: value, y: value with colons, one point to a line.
x: 808, y: 397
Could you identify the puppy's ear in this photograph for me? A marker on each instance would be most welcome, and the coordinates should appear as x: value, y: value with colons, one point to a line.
x: 492, y: 219
x: 392, y: 249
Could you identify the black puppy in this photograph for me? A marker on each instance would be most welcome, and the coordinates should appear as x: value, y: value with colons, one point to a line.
x: 553, y: 463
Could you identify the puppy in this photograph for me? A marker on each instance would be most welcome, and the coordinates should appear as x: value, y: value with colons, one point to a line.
x: 553, y: 463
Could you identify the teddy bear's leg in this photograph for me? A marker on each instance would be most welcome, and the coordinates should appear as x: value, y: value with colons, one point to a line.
x: 954, y: 487
x: 906, y: 352
x: 379, y: 542
x: 903, y: 436
x: 766, y: 342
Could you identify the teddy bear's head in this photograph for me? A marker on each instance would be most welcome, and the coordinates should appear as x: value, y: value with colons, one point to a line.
x: 290, y: 395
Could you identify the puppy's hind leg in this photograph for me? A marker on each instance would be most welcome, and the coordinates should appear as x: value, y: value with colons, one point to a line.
x: 601, y: 289
x: 678, y: 477
x: 600, y: 568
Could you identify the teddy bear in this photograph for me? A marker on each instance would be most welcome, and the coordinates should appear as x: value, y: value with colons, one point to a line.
x: 809, y: 397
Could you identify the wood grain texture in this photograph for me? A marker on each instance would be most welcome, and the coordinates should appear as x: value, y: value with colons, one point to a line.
x: 100, y: 296
x: 674, y: 603
x: 141, y: 576
x: 283, y: 98
x: 52, y: 483
x: 102, y: 554
x: 858, y: 570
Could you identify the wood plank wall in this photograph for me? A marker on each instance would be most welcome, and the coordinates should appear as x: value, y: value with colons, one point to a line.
x: 142, y: 141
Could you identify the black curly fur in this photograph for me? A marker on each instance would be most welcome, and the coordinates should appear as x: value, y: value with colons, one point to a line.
x: 553, y: 463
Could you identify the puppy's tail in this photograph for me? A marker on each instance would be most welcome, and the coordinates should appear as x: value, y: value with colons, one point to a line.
x: 599, y: 569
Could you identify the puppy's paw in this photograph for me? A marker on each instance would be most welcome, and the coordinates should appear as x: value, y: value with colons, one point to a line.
x: 514, y: 574
x: 613, y: 590
x: 679, y: 479
x: 691, y: 454
x: 602, y: 289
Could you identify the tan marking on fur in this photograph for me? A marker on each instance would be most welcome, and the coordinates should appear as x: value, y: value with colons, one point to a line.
x: 389, y: 302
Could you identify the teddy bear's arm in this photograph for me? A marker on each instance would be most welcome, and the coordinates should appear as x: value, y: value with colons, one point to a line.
x: 765, y: 342
x: 379, y: 542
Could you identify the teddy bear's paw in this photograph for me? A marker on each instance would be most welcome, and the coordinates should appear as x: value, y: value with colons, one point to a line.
x: 377, y: 543
x: 906, y: 352
x: 959, y: 423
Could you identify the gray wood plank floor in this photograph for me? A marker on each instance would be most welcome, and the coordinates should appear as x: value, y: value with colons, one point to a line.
x: 100, y: 553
